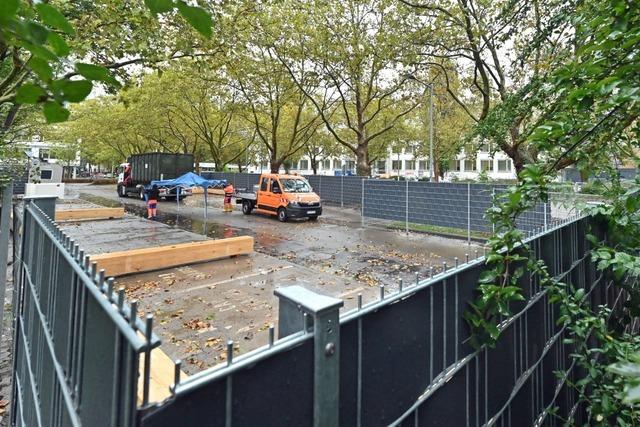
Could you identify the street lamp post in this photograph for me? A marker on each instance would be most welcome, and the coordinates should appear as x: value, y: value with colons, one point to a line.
x: 430, y: 86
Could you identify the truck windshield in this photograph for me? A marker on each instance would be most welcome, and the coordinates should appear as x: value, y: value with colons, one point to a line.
x: 292, y: 185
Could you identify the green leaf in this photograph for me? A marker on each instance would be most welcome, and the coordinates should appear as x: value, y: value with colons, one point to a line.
x: 54, y: 112
x: 626, y: 369
x: 58, y: 44
x: 39, y: 51
x: 487, y: 276
x: 52, y: 17
x: 159, y: 6
x: 96, y: 72
x: 37, y: 32
x: 632, y: 394
x: 8, y: 9
x: 29, y: 94
x: 197, y: 17
x: 76, y: 90
x: 40, y: 67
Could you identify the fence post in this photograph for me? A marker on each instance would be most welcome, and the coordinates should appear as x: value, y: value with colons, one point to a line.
x: 493, y: 198
x: 342, y: 191
x: 468, y: 213
x: 544, y: 206
x: 5, y: 218
x: 294, y: 302
x: 406, y: 206
x: 362, y: 204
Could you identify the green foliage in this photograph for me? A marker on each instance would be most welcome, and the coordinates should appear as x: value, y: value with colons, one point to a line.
x: 197, y: 17
x: 35, y: 52
x: 588, y: 116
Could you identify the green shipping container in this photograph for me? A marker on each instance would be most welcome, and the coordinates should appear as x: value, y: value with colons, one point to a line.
x: 157, y: 166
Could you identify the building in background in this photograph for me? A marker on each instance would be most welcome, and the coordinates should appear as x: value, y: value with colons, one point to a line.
x: 43, y: 152
x: 403, y: 162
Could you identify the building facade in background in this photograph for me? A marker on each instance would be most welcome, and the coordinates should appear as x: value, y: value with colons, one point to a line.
x: 404, y: 163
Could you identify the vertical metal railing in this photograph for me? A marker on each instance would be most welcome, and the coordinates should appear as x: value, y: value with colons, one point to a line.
x: 403, y: 359
x: 77, y: 343
x: 6, y: 208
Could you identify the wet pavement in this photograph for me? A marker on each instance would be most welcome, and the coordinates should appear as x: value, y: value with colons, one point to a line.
x: 198, y: 307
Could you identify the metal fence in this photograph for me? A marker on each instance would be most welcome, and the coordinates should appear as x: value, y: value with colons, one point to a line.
x: 449, y: 208
x: 18, y: 170
x: 77, y: 343
x: 401, y: 360
x: 404, y: 359
x: 6, y: 207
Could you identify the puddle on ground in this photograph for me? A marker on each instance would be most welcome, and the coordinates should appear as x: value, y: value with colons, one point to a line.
x: 199, y: 226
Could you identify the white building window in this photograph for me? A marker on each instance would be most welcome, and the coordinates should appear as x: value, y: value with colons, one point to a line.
x: 486, y: 165
x: 504, y: 165
x: 326, y: 164
x: 469, y: 165
x: 381, y: 166
x: 423, y: 165
x: 304, y: 165
x: 351, y: 165
x: 396, y: 165
x: 410, y: 165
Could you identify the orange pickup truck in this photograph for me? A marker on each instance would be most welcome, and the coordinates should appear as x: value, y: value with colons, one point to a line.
x: 286, y: 196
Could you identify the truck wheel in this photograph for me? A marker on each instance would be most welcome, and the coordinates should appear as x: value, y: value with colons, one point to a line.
x: 313, y: 218
x: 141, y: 193
x: 122, y: 191
x: 246, y: 207
x: 282, y: 215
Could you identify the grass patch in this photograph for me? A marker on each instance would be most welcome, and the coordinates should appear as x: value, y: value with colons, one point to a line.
x: 452, y: 231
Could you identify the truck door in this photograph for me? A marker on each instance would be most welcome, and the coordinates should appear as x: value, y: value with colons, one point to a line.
x: 265, y: 196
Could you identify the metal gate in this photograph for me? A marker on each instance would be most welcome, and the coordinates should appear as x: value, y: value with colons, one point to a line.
x: 77, y: 344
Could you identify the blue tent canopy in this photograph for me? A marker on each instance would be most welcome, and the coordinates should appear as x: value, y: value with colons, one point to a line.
x: 189, y: 180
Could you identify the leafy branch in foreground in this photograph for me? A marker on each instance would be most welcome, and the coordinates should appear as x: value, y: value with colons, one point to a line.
x: 34, y: 39
x: 592, y: 122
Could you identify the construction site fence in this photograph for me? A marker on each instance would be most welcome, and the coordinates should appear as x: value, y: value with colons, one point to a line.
x: 405, y: 359
x: 6, y: 206
x: 81, y: 354
x: 77, y: 342
x: 441, y: 207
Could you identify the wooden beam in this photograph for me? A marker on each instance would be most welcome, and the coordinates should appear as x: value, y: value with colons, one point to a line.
x: 157, y: 258
x: 161, y: 378
x: 89, y: 214
x: 200, y: 190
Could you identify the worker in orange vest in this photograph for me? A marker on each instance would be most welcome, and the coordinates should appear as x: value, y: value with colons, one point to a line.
x: 228, y: 193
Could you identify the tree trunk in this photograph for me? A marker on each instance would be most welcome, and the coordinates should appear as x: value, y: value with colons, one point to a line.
x: 518, y: 161
x: 314, y: 165
x: 363, y: 168
x: 275, y: 165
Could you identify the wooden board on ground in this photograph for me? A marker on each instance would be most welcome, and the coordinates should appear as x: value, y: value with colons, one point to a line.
x: 161, y: 376
x: 149, y: 259
x: 89, y: 214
